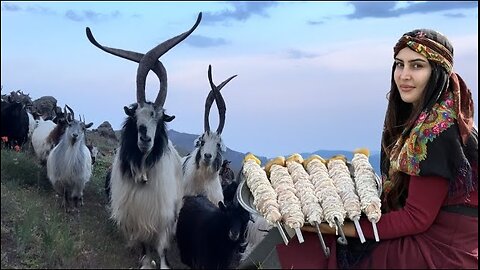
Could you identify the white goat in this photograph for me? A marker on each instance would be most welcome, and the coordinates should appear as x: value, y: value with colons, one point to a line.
x: 69, y: 165
x: 146, y: 179
x: 32, y: 124
x: 201, y: 167
x: 47, y: 134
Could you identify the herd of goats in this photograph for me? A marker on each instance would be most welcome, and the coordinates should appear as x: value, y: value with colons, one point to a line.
x: 156, y: 197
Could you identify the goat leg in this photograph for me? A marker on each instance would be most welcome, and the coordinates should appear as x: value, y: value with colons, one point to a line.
x: 66, y: 202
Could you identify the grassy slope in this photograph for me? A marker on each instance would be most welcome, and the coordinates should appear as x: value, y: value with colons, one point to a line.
x: 37, y: 233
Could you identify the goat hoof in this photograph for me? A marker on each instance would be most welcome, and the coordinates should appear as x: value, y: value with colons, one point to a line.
x: 147, y: 263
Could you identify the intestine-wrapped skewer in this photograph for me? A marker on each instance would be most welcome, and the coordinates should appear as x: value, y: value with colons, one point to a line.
x: 333, y: 210
x: 289, y: 204
x: 339, y: 173
x: 311, y: 207
x: 366, y: 187
x: 264, y: 196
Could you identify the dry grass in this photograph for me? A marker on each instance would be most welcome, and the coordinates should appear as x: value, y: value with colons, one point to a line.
x: 37, y: 233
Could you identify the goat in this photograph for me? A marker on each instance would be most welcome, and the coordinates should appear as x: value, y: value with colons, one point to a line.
x: 69, y: 165
x: 93, y: 152
x: 211, y: 236
x: 146, y: 179
x: 15, y: 123
x: 201, y: 167
x: 47, y: 134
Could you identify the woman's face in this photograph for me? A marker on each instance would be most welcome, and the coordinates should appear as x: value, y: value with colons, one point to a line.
x: 412, y: 72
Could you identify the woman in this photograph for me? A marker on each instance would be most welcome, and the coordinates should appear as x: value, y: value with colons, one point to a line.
x: 429, y: 168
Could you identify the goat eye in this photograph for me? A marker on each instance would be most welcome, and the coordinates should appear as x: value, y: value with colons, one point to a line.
x: 202, y: 143
x: 152, y: 114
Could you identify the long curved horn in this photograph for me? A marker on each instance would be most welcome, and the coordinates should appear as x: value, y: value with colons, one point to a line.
x: 152, y: 56
x: 215, y: 94
x: 72, y: 113
x: 158, y: 68
x: 149, y: 61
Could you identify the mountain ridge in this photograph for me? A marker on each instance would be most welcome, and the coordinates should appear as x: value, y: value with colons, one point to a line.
x: 183, y: 142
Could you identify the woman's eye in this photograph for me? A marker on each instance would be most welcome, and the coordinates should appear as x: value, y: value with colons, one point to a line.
x: 399, y: 64
x: 417, y: 66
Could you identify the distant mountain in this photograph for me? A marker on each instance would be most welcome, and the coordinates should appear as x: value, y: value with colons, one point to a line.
x: 183, y: 142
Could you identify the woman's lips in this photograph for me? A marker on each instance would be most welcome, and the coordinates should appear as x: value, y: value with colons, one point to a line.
x: 406, y: 88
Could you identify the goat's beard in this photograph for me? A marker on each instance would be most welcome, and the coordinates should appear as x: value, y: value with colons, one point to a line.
x: 145, y: 149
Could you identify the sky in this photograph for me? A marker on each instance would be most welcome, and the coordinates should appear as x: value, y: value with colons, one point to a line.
x: 311, y: 75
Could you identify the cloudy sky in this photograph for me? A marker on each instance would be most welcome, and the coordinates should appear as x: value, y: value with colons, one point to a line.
x: 311, y: 75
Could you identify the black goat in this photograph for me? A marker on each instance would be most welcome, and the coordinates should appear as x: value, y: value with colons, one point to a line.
x: 211, y: 237
x: 14, y: 124
x: 229, y: 192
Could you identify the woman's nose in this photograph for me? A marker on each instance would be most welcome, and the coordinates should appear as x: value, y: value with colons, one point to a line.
x: 405, y: 74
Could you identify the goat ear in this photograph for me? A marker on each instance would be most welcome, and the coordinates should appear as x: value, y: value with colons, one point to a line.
x: 223, y: 148
x: 196, y: 142
x: 168, y: 118
x: 128, y: 111
x: 89, y: 125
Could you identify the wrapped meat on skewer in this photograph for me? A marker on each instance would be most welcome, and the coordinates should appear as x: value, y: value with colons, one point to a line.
x: 367, y: 187
x: 311, y: 207
x: 339, y: 173
x: 264, y: 196
x: 333, y: 210
x: 289, y: 204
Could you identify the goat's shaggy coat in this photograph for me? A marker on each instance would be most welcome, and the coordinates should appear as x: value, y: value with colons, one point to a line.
x: 211, y: 237
x: 15, y: 123
x: 201, y: 167
x: 146, y: 211
x: 199, y: 177
x: 146, y: 174
x: 69, y: 165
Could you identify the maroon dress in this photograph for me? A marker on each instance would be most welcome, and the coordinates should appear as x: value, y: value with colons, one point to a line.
x: 424, y: 234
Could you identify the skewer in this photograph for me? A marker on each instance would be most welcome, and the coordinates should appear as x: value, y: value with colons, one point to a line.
x: 342, y: 239
x: 326, y: 250
x: 299, y: 234
x: 359, y: 230
x: 282, y: 233
x: 375, y: 231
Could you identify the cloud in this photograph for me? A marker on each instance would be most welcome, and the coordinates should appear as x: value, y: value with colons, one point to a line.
x: 315, y: 22
x: 241, y: 12
x: 389, y: 9
x: 78, y: 16
x: 298, y: 54
x: 455, y: 15
x: 203, y: 42
x: 89, y: 15
x: 11, y: 7
x: 31, y: 9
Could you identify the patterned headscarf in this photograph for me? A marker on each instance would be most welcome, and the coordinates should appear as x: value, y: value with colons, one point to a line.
x: 442, y: 138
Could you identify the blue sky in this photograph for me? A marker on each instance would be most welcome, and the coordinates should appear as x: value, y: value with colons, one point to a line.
x: 311, y: 75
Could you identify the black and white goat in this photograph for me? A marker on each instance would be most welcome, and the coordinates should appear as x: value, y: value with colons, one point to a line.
x: 211, y: 236
x: 146, y: 179
x: 201, y: 167
x: 69, y: 165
